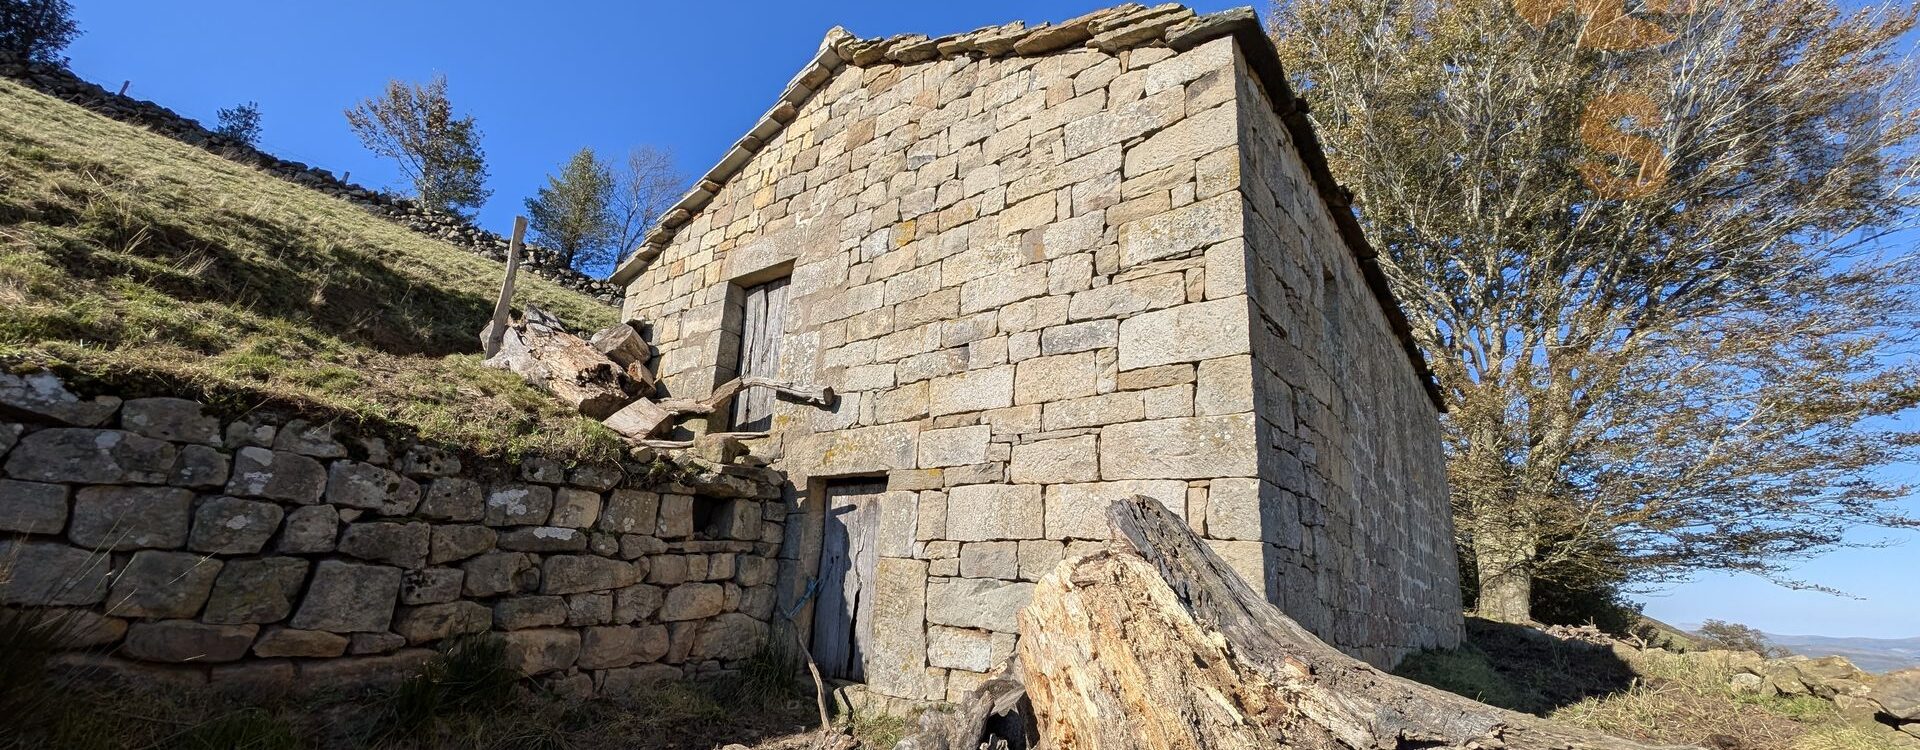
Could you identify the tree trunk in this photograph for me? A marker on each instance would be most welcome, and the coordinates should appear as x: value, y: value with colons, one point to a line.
x: 1156, y: 644
x: 1503, y: 558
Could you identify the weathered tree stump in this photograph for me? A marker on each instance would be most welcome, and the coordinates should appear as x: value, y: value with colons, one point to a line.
x: 1155, y: 644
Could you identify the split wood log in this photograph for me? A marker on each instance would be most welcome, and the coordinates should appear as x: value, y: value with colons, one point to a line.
x: 622, y: 343
x: 541, y: 351
x: 1155, y: 644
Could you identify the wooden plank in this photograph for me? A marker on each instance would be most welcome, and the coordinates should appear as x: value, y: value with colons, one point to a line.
x: 762, y: 327
x: 843, y: 613
x: 752, y: 321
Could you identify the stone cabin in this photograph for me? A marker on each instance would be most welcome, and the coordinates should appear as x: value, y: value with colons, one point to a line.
x: 1045, y: 267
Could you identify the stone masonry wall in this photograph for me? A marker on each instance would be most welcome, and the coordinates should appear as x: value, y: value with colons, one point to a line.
x: 1027, y: 278
x: 60, y: 83
x: 255, y: 552
x: 1353, y: 529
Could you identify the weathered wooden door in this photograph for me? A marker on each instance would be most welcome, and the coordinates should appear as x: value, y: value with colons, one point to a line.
x: 760, y: 332
x: 843, y: 614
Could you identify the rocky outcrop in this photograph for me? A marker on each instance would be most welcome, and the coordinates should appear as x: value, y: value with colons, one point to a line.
x: 190, y: 546
x: 60, y: 83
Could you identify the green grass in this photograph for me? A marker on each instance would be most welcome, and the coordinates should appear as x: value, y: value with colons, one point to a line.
x: 140, y: 264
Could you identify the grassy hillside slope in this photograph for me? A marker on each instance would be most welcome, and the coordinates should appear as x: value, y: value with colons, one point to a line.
x: 150, y: 265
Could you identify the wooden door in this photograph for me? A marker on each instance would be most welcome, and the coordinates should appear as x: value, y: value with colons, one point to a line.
x: 760, y: 331
x: 843, y: 613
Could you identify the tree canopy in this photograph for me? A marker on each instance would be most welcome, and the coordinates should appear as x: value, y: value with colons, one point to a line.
x: 414, y: 125
x: 1644, y: 255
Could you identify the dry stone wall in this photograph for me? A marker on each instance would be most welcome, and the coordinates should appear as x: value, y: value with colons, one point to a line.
x: 1028, y: 278
x: 189, y: 548
x: 57, y: 81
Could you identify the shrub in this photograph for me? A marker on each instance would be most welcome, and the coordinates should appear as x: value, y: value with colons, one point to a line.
x: 1732, y: 636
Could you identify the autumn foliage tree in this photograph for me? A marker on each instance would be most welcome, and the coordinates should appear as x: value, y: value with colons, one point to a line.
x: 414, y: 125
x: 1645, y: 252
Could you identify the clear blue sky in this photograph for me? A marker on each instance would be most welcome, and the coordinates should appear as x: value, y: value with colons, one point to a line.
x: 691, y: 78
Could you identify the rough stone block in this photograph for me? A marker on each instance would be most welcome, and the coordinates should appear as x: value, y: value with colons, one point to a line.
x: 990, y: 560
x: 521, y: 612
x: 1094, y: 411
x: 349, y: 598
x: 50, y: 573
x: 202, y: 467
x: 81, y: 455
x: 977, y: 603
x: 40, y: 393
x: 898, y: 637
x: 496, y: 573
x: 179, y: 641
x: 287, y: 642
x: 233, y: 526
x: 309, y: 530
x: 535, y: 652
x: 1079, y: 511
x: 174, y: 419
x: 543, y: 539
x: 402, y: 544
x: 309, y: 439
x: 374, y: 643
x: 676, y: 516
x: 575, y: 509
x: 459, y: 542
x: 621, y: 645
x: 729, y: 637
x: 989, y: 511
x: 692, y: 601
x: 974, y: 390
x: 636, y: 603
x: 518, y: 505
x: 433, y: 622
x: 863, y: 450
x: 1127, y: 298
x: 1067, y: 460
x: 452, y: 499
x: 1225, y: 386
x: 963, y: 648
x: 589, y: 609
x: 1185, y: 448
x: 1038, y: 557
x: 572, y: 574
x: 1044, y: 379
x: 32, y: 507
x: 1188, y: 333
x: 630, y: 512
x: 958, y: 446
x: 431, y: 585
x: 352, y: 484
x: 277, y: 475
x: 128, y: 518
x: 255, y: 591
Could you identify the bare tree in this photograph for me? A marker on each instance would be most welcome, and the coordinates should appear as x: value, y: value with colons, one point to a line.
x: 440, y: 154
x: 1642, y: 253
x: 647, y: 185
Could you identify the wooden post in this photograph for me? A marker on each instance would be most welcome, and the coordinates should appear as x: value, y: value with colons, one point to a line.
x: 124, y: 85
x: 497, y: 330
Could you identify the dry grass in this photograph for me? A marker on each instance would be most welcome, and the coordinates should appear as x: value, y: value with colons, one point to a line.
x: 150, y: 265
x: 1688, y: 699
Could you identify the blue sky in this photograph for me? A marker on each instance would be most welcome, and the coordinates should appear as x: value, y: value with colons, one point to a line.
x: 688, y: 77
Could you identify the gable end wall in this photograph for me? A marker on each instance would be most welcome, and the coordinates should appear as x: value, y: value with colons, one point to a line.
x: 1026, y: 278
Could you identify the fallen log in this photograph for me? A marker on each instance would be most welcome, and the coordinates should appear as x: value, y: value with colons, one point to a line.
x: 540, y: 350
x: 1155, y: 644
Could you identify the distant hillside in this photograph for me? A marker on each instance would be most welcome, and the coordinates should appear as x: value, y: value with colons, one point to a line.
x: 1871, y: 654
x: 147, y: 264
